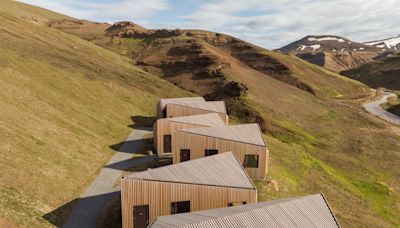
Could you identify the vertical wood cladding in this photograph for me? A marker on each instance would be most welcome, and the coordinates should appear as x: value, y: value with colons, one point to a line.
x: 199, y: 143
x: 159, y: 196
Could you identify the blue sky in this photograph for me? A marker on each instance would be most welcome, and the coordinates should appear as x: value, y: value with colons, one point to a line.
x: 268, y: 23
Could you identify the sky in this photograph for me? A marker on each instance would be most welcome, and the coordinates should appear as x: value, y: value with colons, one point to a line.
x: 267, y: 23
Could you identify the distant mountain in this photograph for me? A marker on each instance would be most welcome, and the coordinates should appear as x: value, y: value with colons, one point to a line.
x: 65, y: 102
x: 335, y: 53
x: 326, y: 43
x: 392, y: 43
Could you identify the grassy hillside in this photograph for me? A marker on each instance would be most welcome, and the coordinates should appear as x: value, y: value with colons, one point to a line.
x: 66, y: 100
x: 381, y: 73
x: 63, y: 102
x: 318, y: 141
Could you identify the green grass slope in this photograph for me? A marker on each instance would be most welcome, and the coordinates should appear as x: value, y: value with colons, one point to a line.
x: 66, y: 100
x: 318, y: 141
x: 63, y: 102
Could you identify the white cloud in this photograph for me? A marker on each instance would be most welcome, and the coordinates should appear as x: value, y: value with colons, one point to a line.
x: 104, y: 11
x: 268, y: 23
x: 272, y: 24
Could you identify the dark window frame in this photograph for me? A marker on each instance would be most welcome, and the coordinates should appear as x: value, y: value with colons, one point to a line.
x: 236, y: 203
x: 180, y: 155
x: 210, y: 152
x: 248, y: 163
x: 180, y: 207
x: 170, y: 143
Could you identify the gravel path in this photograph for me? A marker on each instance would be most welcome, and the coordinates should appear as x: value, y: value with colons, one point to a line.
x: 374, y: 107
x: 105, y: 187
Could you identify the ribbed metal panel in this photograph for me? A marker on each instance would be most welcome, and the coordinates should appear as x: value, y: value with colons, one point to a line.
x: 247, y: 133
x: 210, y: 119
x: 217, y: 170
x: 307, y: 211
x: 182, y: 100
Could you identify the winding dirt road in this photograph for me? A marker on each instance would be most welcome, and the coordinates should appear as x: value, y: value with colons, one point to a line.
x: 374, y: 107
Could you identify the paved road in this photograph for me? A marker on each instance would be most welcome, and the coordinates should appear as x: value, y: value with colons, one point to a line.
x: 375, y: 108
x: 105, y: 187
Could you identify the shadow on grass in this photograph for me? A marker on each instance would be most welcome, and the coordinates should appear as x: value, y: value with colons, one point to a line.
x: 131, y: 146
x: 142, y: 121
x: 83, y: 208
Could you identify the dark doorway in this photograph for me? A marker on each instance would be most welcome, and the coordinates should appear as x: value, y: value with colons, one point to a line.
x: 180, y: 207
x: 164, y: 112
x: 185, y: 155
x: 210, y: 152
x: 141, y: 214
x: 167, y: 144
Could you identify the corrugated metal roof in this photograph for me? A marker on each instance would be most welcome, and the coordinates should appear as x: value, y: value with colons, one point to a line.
x: 217, y: 170
x: 164, y: 102
x: 247, y: 133
x: 209, y: 119
x: 306, y: 211
x: 215, y: 106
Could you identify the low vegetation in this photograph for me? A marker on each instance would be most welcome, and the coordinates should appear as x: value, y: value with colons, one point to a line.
x: 65, y: 100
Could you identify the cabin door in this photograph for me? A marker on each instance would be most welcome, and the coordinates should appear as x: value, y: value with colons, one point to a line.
x: 167, y: 144
x: 185, y: 155
x: 141, y: 214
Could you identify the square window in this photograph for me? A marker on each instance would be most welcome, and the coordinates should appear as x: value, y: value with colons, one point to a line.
x: 180, y: 207
x: 210, y: 152
x: 251, y: 161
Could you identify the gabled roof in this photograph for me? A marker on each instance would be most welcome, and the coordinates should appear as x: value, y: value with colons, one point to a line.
x: 164, y: 102
x: 215, y: 106
x: 207, y: 120
x: 306, y: 211
x: 217, y: 170
x: 246, y: 133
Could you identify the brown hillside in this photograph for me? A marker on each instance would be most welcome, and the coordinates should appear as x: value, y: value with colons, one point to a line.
x: 384, y: 72
x: 338, y: 62
x: 65, y: 100
x: 317, y: 144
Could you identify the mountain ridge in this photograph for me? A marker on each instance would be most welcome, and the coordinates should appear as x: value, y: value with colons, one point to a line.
x: 68, y: 99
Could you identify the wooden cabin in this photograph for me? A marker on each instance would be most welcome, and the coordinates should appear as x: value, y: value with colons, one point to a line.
x: 245, y: 141
x: 174, y: 107
x: 202, y: 184
x: 306, y: 211
x: 163, y: 128
x: 162, y: 104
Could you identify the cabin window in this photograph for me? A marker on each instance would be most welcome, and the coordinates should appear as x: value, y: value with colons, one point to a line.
x: 236, y: 203
x: 180, y: 207
x: 210, y: 152
x: 185, y: 155
x: 251, y: 161
x: 167, y: 144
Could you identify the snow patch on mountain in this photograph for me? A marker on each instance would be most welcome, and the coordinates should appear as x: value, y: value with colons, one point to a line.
x: 389, y: 43
x: 328, y: 38
x: 314, y: 47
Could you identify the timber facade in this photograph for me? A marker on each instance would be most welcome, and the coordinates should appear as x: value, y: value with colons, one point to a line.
x: 163, y: 128
x: 202, y: 184
x: 245, y: 141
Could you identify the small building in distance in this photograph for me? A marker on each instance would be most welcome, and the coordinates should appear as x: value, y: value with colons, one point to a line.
x: 306, y: 211
x: 164, y: 127
x: 245, y: 141
x: 202, y: 184
x: 187, y: 106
